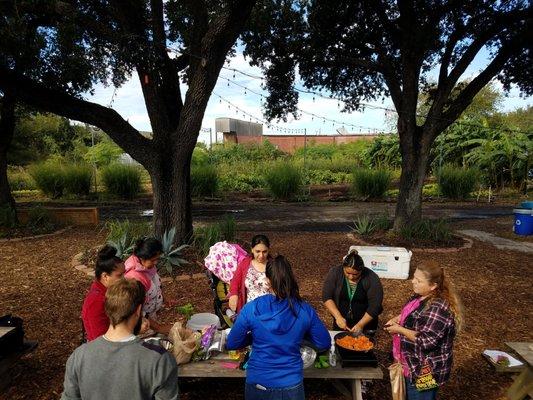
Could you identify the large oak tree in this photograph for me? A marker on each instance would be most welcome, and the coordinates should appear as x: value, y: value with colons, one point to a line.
x: 107, y: 41
x: 370, y: 49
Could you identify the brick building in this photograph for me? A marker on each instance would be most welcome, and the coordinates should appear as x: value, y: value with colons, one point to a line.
x: 240, y: 132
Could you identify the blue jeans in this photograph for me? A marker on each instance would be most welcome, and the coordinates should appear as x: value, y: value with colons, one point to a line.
x: 258, y: 392
x: 413, y: 394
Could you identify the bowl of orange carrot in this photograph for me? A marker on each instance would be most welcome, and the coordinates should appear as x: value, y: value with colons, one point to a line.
x: 353, y: 342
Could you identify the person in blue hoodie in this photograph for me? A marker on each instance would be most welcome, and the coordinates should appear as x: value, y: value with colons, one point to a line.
x: 275, y: 325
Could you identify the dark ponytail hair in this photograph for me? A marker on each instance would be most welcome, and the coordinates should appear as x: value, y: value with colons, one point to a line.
x: 353, y: 260
x: 147, y: 248
x: 106, y: 261
x: 282, y: 280
x: 257, y: 239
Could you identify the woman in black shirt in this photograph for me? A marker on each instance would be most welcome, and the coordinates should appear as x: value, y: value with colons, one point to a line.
x: 353, y: 295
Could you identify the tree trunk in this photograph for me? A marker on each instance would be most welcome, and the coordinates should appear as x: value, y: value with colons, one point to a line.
x: 172, y: 195
x: 415, y: 155
x: 7, y: 128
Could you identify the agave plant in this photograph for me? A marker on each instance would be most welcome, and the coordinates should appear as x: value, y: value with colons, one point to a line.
x: 363, y: 225
x: 171, y: 255
x: 123, y: 245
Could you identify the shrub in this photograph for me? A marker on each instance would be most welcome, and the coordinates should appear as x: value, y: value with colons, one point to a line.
x: 283, y: 180
x: 49, y: 178
x: 326, y: 177
x: 242, y: 176
x: 78, y: 179
x: 19, y: 179
x: 199, y: 156
x: 122, y: 180
x: 371, y: 183
x: 435, y: 230
x: 204, y: 180
x: 457, y: 183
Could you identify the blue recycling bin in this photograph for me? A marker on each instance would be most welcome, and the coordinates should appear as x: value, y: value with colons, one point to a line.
x: 523, y: 221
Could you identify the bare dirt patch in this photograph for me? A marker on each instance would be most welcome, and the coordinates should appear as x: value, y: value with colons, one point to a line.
x: 40, y: 286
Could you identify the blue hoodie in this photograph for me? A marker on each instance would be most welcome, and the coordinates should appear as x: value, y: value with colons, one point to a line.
x: 276, y: 334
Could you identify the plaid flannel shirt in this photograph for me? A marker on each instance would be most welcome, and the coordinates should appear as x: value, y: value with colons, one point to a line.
x: 435, y: 326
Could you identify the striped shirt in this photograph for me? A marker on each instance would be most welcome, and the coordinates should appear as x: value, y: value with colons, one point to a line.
x: 435, y: 326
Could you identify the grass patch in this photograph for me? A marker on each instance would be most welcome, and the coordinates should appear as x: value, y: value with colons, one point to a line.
x: 371, y: 183
x: 457, y: 183
x: 122, y: 180
x: 284, y: 181
x: 204, y: 180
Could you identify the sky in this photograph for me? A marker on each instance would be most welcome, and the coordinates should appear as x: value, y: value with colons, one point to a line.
x: 233, y: 95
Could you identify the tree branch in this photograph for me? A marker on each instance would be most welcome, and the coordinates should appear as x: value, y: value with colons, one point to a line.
x: 457, y: 106
x: 60, y: 103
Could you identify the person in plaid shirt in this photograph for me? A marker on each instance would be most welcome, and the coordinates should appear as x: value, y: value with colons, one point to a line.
x: 424, y: 331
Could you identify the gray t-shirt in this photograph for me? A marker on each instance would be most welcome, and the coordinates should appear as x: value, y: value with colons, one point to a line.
x: 132, y: 370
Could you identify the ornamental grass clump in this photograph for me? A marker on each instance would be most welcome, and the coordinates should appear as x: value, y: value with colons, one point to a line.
x: 49, y: 178
x: 457, y: 183
x: 78, y: 178
x: 284, y: 180
x: 204, y: 180
x: 426, y: 229
x: 122, y: 180
x: 371, y: 183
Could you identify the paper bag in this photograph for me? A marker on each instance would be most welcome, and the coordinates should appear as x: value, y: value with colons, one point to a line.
x: 185, y: 342
x: 397, y: 381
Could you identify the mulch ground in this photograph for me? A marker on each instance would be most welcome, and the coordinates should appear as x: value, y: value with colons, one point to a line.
x: 40, y: 286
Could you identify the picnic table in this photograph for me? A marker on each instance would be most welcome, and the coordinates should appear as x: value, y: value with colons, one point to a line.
x: 523, y: 384
x: 213, y: 369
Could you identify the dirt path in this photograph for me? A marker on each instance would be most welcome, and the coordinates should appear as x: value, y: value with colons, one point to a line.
x: 308, y: 216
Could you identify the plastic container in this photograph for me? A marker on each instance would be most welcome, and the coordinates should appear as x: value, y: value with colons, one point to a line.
x: 523, y: 221
x: 201, y: 320
x: 527, y: 204
x: 387, y: 262
x: 332, y: 356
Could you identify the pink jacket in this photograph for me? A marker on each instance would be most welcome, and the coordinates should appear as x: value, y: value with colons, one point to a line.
x: 237, y: 286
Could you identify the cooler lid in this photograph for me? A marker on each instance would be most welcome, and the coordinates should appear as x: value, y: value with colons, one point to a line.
x: 378, y: 249
x: 523, y: 211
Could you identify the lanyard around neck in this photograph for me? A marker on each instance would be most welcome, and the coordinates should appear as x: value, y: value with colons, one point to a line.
x: 351, y: 292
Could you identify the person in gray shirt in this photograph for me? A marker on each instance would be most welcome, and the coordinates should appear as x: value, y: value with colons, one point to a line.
x: 118, y: 365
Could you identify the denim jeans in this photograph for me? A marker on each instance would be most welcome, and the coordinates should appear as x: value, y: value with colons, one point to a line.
x: 258, y: 392
x: 413, y: 394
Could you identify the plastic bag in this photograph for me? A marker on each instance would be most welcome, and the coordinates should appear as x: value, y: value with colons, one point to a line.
x: 185, y: 342
x: 397, y: 381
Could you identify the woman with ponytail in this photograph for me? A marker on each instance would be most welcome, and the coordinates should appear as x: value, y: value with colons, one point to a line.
x: 424, y: 331
x: 275, y: 325
x: 109, y: 268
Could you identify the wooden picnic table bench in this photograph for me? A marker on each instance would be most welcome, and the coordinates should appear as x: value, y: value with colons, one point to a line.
x: 523, y: 384
x: 213, y: 369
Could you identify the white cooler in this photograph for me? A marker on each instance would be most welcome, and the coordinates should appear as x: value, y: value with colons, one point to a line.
x: 387, y: 262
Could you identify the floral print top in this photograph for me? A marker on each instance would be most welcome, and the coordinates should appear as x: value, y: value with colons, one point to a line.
x: 256, y: 284
x: 154, y: 298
